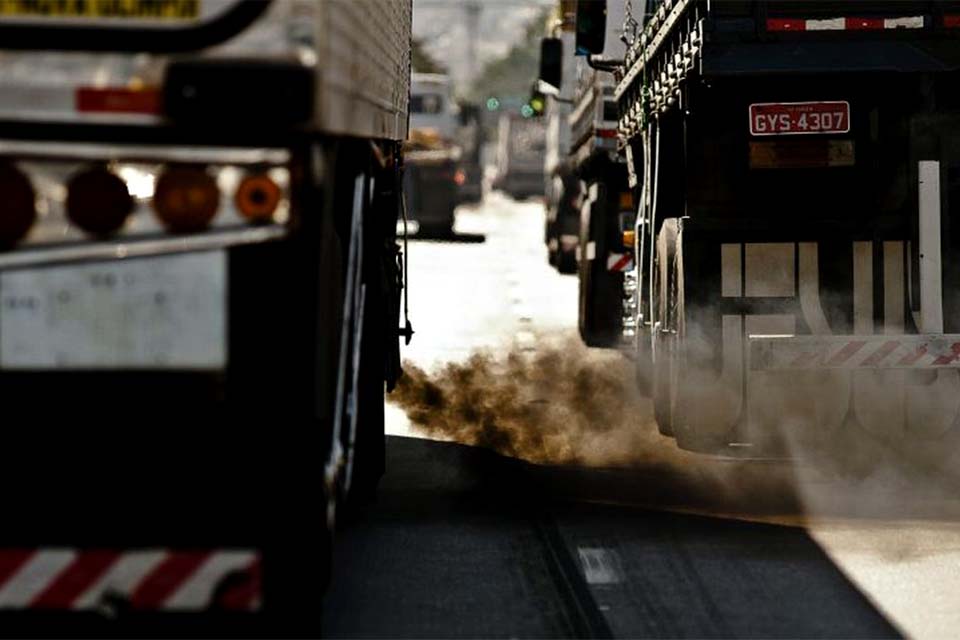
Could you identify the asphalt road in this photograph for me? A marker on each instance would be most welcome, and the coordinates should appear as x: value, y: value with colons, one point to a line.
x: 465, y: 543
x: 655, y: 543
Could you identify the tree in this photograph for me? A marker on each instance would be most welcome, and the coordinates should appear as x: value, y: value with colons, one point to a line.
x: 423, y: 62
x: 509, y: 78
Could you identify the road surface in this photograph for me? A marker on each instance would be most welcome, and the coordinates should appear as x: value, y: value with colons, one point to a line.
x: 613, y: 532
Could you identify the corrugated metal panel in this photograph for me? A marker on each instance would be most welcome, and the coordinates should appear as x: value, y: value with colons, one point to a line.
x: 364, y: 67
x: 359, y: 48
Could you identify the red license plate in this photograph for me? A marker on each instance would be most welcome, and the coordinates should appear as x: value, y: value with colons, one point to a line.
x: 798, y: 118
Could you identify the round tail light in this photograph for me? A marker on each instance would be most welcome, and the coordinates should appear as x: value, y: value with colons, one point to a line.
x: 257, y: 198
x: 19, y: 205
x: 186, y: 199
x: 98, y: 201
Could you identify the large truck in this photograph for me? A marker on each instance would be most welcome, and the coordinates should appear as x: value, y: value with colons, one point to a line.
x: 432, y: 179
x: 562, y: 189
x: 795, y: 166
x: 520, y: 148
x: 606, y: 203
x: 199, y: 304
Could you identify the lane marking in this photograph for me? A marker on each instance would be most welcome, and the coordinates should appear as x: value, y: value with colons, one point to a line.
x: 600, y: 565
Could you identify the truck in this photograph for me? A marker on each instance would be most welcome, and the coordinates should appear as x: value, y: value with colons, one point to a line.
x: 199, y: 305
x: 556, y: 83
x: 606, y: 203
x: 520, y: 147
x: 433, y: 175
x: 795, y: 169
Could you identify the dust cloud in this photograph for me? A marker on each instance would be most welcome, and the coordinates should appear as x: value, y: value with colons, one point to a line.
x: 578, y: 412
x: 557, y: 405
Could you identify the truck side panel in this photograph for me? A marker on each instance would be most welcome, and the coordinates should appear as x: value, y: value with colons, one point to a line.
x: 364, y: 57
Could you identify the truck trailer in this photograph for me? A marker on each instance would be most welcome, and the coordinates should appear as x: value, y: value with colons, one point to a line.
x: 795, y: 168
x: 199, y: 304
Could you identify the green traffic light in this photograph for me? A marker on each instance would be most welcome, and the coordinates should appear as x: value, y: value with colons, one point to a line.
x: 493, y: 104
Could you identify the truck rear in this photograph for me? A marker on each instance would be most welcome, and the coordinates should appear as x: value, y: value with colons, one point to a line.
x: 198, y: 304
x: 562, y: 192
x: 520, y: 146
x: 607, y: 202
x: 795, y: 166
x: 432, y: 179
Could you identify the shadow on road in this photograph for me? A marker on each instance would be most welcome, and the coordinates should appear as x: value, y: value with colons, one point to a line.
x: 462, y: 238
x: 453, y: 547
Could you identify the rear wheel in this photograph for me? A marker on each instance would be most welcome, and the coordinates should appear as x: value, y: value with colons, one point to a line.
x: 668, y: 304
x: 601, y: 299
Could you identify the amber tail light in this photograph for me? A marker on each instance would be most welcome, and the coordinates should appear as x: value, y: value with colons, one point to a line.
x: 257, y: 198
x: 186, y: 199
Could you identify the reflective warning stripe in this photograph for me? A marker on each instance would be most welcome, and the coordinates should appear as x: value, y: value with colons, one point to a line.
x: 854, y: 352
x: 150, y: 579
x: 619, y: 262
x: 844, y: 24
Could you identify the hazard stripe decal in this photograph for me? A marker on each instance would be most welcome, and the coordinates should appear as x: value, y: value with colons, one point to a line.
x: 912, y: 358
x: 149, y: 579
x: 11, y: 561
x: 75, y: 579
x: 166, y: 578
x: 860, y: 352
x: 950, y: 357
x: 846, y: 353
x: 881, y: 353
x: 32, y: 578
x: 619, y: 262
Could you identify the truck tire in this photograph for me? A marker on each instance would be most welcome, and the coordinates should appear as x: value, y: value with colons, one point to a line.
x: 567, y: 261
x: 370, y: 445
x: 668, y: 300
x: 601, y: 299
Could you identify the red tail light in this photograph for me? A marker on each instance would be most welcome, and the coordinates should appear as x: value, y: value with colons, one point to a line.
x: 951, y: 22
x: 98, y: 201
x: 19, y: 205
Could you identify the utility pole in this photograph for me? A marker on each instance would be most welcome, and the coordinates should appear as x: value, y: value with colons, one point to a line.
x: 472, y: 10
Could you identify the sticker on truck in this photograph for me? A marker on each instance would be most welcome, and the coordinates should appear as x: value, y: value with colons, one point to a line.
x: 799, y: 118
x: 166, y: 312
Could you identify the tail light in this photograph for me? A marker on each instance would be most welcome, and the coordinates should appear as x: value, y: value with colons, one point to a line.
x: 460, y: 177
x: 629, y: 238
x: 98, y: 201
x: 257, y: 198
x: 951, y: 21
x: 19, y: 205
x: 186, y: 199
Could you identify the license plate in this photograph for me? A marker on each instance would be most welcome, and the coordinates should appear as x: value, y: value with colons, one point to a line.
x: 799, y: 118
x: 153, y: 313
x: 112, y: 9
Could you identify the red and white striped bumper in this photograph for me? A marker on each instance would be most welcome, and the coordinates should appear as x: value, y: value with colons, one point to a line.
x: 854, y: 352
x: 845, y: 23
x: 143, y: 579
